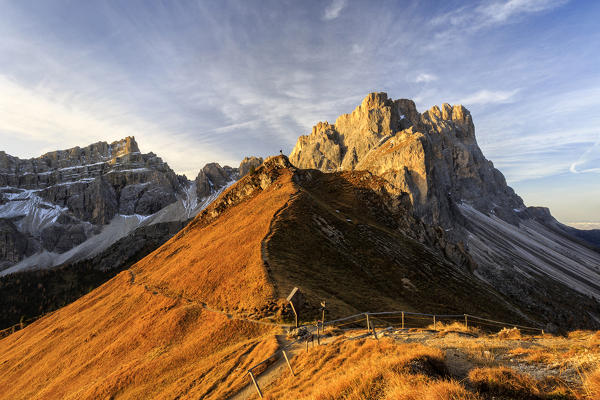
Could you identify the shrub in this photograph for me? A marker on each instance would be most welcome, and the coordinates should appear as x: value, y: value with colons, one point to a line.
x: 512, y: 333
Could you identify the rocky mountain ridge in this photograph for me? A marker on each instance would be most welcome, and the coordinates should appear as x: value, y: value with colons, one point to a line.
x: 434, y: 159
x: 434, y: 156
x: 68, y: 205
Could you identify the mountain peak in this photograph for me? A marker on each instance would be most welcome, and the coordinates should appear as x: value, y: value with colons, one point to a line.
x: 375, y: 100
x: 127, y: 145
x: 432, y: 156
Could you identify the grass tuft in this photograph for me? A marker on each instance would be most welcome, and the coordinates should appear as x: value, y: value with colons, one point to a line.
x: 510, y: 333
x: 503, y: 381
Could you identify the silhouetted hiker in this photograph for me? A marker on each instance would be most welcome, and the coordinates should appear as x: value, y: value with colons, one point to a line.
x: 281, y: 152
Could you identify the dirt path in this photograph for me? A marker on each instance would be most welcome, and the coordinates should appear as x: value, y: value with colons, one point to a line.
x: 273, y: 372
x: 279, y: 367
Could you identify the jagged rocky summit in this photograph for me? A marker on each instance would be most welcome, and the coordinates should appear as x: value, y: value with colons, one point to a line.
x: 71, y: 204
x: 434, y: 156
x: 433, y: 159
x: 214, y: 177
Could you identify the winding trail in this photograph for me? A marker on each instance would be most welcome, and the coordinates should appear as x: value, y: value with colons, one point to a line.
x: 272, y: 372
x: 156, y: 290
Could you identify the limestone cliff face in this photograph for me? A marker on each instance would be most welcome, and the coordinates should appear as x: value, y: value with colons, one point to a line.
x: 95, y: 182
x: 51, y: 204
x: 58, y: 200
x: 434, y: 156
x: 13, y: 244
x: 213, y: 177
x: 249, y: 163
x: 476, y: 218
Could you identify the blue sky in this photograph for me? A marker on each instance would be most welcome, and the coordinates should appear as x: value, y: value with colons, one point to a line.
x: 201, y: 81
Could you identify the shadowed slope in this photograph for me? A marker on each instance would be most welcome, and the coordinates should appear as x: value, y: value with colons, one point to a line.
x: 345, y: 240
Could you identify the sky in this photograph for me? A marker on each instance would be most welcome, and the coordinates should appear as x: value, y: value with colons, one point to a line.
x: 203, y: 81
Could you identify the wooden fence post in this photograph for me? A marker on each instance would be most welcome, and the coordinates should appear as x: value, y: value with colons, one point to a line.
x: 466, y: 322
x: 288, y: 362
x: 368, y: 324
x: 318, y: 336
x: 255, y: 384
x: 295, y: 314
x: 402, y: 319
x: 434, y: 324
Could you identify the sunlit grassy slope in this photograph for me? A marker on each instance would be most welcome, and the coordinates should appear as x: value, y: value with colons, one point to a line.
x: 158, y: 330
x: 136, y: 337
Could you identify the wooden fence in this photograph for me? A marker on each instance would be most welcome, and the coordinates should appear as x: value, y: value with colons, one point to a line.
x: 387, y: 321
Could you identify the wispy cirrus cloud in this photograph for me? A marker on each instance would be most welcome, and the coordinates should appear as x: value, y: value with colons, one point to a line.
x: 503, y: 11
x: 473, y: 17
x: 333, y: 10
x: 424, y: 77
x: 588, y: 162
x: 490, y: 97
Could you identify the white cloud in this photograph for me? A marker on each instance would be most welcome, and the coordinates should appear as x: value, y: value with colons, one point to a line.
x: 503, y: 11
x: 333, y: 10
x: 357, y: 49
x: 489, y: 97
x: 488, y: 14
x: 589, y: 161
x: 425, y: 77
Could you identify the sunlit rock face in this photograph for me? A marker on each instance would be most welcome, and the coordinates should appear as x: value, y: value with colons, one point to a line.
x: 433, y: 156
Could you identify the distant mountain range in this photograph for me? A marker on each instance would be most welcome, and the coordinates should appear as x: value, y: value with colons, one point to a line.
x: 72, y: 204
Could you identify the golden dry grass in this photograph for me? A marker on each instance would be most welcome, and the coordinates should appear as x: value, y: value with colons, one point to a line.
x: 579, y: 351
x: 592, y: 384
x: 122, y: 340
x: 454, y: 327
x: 368, y: 369
x: 136, y: 337
x: 505, y: 381
x: 510, y: 333
x: 219, y: 262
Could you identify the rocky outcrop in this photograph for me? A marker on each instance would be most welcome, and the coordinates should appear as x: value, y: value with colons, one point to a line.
x: 434, y: 159
x: 264, y: 176
x: 13, y: 244
x: 213, y: 177
x: 62, y: 198
x: 95, y: 182
x: 249, y: 164
x: 72, y: 204
x: 434, y: 156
